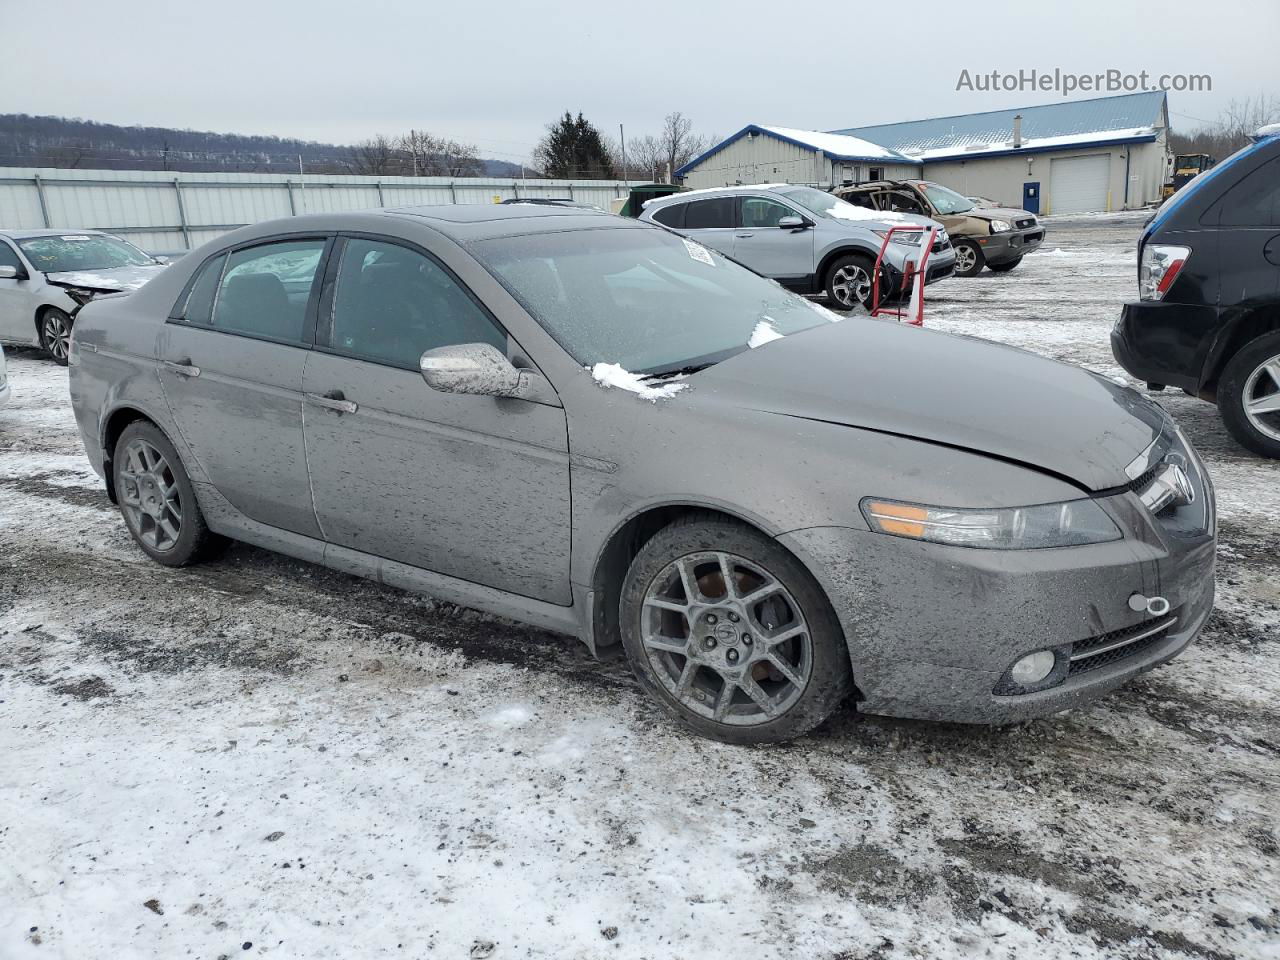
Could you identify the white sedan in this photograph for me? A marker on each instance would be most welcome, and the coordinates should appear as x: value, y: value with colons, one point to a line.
x: 46, y: 276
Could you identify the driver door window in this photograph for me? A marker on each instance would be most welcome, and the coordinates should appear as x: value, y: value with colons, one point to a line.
x: 759, y: 212
x: 391, y: 304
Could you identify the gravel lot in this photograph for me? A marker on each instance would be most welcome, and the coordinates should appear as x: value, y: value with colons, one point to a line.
x: 262, y: 756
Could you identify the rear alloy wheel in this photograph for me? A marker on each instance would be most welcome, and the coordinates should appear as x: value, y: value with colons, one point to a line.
x: 969, y: 258
x: 1249, y: 396
x: 55, y: 334
x: 1004, y: 267
x: 731, y: 635
x: 157, y: 499
x: 849, y: 283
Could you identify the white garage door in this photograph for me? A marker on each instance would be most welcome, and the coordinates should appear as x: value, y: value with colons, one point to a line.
x: 1079, y: 184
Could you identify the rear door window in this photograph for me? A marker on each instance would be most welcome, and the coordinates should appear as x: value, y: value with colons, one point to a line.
x: 710, y: 214
x: 265, y: 289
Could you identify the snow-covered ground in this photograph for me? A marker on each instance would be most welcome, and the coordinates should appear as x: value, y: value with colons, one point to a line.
x: 258, y: 756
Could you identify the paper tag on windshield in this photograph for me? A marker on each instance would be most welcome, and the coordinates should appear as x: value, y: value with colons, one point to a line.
x: 74, y: 237
x: 698, y: 252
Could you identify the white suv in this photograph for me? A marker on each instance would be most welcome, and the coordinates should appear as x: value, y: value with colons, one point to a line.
x: 804, y: 238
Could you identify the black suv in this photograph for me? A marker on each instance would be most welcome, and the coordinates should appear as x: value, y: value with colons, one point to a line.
x: 1208, y: 315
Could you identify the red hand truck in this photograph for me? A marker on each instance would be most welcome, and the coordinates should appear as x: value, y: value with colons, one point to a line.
x: 913, y: 276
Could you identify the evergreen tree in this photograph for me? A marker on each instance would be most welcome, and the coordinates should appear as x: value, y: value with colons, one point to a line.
x: 574, y: 150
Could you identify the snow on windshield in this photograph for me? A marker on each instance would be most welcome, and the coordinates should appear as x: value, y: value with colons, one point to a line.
x: 765, y: 332
x: 614, y: 375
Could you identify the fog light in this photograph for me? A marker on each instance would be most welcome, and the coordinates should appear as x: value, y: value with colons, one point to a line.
x: 1033, y: 668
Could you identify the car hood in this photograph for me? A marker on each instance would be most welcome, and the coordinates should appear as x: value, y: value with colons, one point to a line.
x: 883, y: 219
x: 116, y: 278
x: 997, y: 213
x: 958, y: 391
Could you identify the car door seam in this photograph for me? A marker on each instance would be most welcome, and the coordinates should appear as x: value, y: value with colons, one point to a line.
x: 306, y: 450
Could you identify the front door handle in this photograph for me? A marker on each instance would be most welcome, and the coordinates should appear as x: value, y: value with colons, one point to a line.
x: 182, y: 368
x: 333, y: 400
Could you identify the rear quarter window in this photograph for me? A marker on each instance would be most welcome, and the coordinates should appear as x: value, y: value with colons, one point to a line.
x: 671, y: 216
x: 1253, y: 202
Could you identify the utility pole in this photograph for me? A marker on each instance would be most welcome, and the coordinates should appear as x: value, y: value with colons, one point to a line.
x: 302, y: 184
x: 623, y: 137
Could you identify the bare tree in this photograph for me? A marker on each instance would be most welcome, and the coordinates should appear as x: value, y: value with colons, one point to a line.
x: 652, y: 157
x: 432, y: 156
x: 1237, y: 122
x: 678, y: 142
x: 375, y: 157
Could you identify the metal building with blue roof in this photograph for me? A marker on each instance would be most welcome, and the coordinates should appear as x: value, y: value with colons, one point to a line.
x: 1107, y: 153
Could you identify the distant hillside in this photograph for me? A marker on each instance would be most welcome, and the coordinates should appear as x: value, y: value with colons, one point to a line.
x: 29, y: 141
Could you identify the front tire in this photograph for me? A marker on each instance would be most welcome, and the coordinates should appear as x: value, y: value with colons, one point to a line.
x: 969, y: 258
x: 1004, y: 267
x: 849, y: 282
x: 731, y: 635
x: 55, y: 334
x: 156, y: 497
x: 1249, y: 395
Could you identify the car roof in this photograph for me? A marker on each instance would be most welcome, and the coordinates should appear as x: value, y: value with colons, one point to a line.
x: 65, y: 232
x: 734, y: 190
x: 483, y: 221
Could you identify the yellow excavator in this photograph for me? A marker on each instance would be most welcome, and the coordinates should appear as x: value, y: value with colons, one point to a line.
x: 1186, y: 167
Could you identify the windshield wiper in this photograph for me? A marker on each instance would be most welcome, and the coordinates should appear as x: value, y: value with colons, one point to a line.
x: 679, y: 371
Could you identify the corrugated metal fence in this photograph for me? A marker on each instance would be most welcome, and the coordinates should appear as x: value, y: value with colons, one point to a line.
x: 164, y: 211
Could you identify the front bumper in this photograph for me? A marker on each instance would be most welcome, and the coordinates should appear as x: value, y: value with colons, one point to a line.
x: 1161, y: 342
x: 1011, y: 245
x: 933, y: 629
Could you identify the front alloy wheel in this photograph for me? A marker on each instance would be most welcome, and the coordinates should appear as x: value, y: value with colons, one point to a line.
x: 730, y: 633
x: 849, y: 282
x: 969, y: 259
x: 726, y: 639
x: 55, y: 334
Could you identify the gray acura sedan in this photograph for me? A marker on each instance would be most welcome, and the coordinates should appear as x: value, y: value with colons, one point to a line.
x: 601, y: 428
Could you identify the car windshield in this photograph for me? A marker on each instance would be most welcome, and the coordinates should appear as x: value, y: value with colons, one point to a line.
x: 59, y: 254
x: 944, y: 200
x: 651, y: 301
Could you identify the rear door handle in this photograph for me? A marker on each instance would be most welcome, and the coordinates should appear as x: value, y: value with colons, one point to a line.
x: 333, y: 400
x: 182, y: 368
x: 744, y: 235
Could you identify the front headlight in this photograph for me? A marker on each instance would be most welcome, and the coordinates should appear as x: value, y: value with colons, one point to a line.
x: 1000, y: 226
x: 910, y: 238
x: 1068, y: 524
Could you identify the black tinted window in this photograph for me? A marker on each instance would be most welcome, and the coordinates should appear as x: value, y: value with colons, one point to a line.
x: 392, y: 304
x: 265, y: 289
x: 703, y: 214
x: 672, y: 216
x: 1255, y: 200
x: 9, y: 257
x: 200, y: 298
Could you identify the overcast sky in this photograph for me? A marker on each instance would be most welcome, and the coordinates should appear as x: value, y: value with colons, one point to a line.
x: 495, y: 73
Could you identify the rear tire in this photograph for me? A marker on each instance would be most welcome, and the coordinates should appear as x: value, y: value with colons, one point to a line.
x: 1250, y: 385
x: 55, y: 334
x: 1004, y: 267
x: 754, y: 656
x: 157, y: 499
x: 849, y: 282
x: 969, y: 258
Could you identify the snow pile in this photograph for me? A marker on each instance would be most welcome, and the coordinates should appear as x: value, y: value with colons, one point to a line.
x: 613, y: 375
x: 765, y: 332
x: 849, y: 211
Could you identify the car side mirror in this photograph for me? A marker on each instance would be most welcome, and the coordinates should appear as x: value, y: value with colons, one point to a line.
x: 481, y: 369
x: 9, y: 273
x: 792, y: 223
